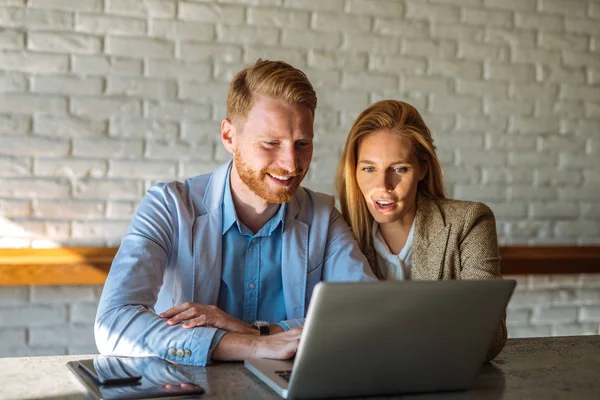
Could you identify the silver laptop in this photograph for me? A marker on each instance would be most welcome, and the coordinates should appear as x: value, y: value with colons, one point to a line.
x: 384, y: 338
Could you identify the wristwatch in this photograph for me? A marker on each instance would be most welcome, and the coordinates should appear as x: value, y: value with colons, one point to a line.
x: 263, y: 327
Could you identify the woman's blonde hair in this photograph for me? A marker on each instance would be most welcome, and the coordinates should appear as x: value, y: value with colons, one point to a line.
x: 405, y: 121
x: 275, y: 79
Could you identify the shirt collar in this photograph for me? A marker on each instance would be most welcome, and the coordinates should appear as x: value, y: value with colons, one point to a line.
x: 230, y: 214
x: 382, y: 248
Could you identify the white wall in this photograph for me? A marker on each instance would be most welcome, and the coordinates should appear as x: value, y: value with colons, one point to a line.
x: 99, y: 99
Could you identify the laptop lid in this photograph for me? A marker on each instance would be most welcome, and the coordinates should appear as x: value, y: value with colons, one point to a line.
x: 395, y: 337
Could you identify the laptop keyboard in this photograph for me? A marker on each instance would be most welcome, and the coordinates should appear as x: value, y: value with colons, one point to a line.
x: 285, y: 374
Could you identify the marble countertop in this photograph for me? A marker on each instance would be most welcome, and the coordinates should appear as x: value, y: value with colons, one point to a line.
x: 536, y: 368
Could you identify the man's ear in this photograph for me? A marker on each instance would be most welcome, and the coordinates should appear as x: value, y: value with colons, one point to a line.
x: 228, y: 135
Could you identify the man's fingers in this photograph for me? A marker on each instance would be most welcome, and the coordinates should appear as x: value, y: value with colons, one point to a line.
x: 182, y: 316
x: 198, y: 321
x: 173, y: 311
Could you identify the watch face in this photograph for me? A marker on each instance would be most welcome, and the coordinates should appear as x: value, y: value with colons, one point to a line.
x: 261, y: 323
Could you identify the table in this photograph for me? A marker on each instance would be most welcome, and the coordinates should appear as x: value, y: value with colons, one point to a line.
x: 533, y: 368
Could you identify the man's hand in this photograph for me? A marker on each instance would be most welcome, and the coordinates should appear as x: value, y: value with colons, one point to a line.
x: 195, y: 314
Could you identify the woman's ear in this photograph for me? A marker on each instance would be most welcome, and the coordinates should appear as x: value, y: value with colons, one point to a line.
x: 424, y: 169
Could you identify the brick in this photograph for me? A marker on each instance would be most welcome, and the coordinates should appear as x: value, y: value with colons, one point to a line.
x: 512, y: 210
x: 12, y: 338
x: 280, y: 18
x: 34, y: 63
x: 584, y: 26
x: 374, y: 44
x: 512, y: 37
x: 106, y: 106
x: 15, y: 166
x: 35, y: 188
x: 175, y: 111
x: 330, y: 5
x: 527, y: 230
x: 474, y: 193
x: 33, y: 145
x: 481, y: 123
x: 103, y: 229
x: 170, y: 29
x: 580, y: 127
x: 194, y: 168
x: 30, y: 103
x: 82, y: 349
x: 319, y: 40
x: 440, y: 104
x: 83, y: 313
x: 141, y: 87
x: 564, y: 7
x: 295, y: 57
x: 533, y: 126
x: 63, y: 335
x: 32, y: 351
x: 336, y: 60
x: 510, y: 72
x: 559, y: 143
x: 406, y: 29
x: 435, y: 50
x: 105, y: 147
x: 459, y: 33
x: 211, y: 13
x: 482, y: 88
x: 14, y: 295
x: 67, y: 209
x: 143, y: 169
x: 33, y: 316
x: 120, y: 209
x: 462, y: 175
x: 426, y: 84
x: 485, y: 17
x: 34, y: 19
x: 101, y: 65
x: 108, y: 189
x: 497, y: 175
x: 110, y: 24
x: 418, y: 10
x: 225, y: 73
x: 201, y: 131
x: 68, y: 5
x: 63, y: 43
x: 590, y: 210
x: 61, y: 294
x: 527, y: 192
x: 590, y: 178
x: 381, y: 8
x: 481, y: 52
x: 534, y: 91
x: 68, y: 126
x: 576, y: 329
x: 69, y: 167
x: 582, y: 93
x: 15, y: 208
x: 12, y: 82
x: 549, y: 108
x: 557, y: 177
x: 209, y: 52
x: 498, y: 107
x: 528, y: 5
x: 204, y: 93
x: 134, y: 128
x: 67, y: 85
x: 456, y: 68
x: 358, y: 80
x: 178, y: 69
x: 322, y: 78
x: 554, y: 315
x: 179, y: 151
x: 591, y: 110
x: 526, y: 55
x: 11, y: 40
x: 502, y: 141
x: 559, y: 74
x: 553, y: 210
x: 580, y: 59
x: 572, y: 229
x: 143, y: 8
x: 356, y: 101
x: 538, y: 21
x: 563, y: 41
x: 518, y: 317
x: 247, y: 35
x: 140, y: 47
x: 340, y: 22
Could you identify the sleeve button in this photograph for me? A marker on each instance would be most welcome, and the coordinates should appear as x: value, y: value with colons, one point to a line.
x: 180, y: 353
x: 172, y: 351
x: 187, y: 353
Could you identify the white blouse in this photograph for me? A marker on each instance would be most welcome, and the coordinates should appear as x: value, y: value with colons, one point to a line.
x: 393, y: 266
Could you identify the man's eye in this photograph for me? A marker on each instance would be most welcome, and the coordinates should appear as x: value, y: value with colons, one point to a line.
x: 271, y: 143
x: 302, y: 144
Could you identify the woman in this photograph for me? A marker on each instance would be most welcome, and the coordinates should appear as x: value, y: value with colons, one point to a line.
x: 389, y: 181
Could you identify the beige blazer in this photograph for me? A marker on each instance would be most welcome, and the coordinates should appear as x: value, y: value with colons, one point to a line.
x: 457, y: 240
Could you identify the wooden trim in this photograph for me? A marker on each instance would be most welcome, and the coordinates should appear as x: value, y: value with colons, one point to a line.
x: 90, y: 265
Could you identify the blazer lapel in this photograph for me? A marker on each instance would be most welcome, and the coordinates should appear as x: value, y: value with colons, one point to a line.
x: 294, y: 262
x: 207, y: 240
x: 430, y: 241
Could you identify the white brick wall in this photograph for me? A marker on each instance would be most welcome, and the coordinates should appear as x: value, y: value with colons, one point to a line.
x: 101, y: 98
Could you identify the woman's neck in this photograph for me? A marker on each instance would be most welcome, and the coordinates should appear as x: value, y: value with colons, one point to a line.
x: 395, y: 234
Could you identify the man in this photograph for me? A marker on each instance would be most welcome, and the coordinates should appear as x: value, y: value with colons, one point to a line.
x: 205, y: 259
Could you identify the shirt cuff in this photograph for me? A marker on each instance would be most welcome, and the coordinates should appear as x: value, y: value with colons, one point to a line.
x: 213, y: 344
x: 291, y: 324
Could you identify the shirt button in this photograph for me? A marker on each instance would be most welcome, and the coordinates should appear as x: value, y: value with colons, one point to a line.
x: 180, y: 353
x: 187, y: 353
x: 253, y: 241
x: 251, y: 285
x: 172, y: 351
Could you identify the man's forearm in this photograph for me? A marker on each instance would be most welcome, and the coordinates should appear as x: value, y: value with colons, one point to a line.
x: 234, y: 347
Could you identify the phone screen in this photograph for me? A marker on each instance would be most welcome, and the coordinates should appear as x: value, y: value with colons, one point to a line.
x: 113, y: 370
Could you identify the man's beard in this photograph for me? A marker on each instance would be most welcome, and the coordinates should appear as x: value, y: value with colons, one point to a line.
x: 257, y: 181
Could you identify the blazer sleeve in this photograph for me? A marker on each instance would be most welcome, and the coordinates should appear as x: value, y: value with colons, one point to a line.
x: 343, y: 260
x: 126, y: 323
x: 480, y: 258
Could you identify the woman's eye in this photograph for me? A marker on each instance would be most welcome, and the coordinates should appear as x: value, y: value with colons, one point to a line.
x: 368, y: 169
x: 401, y: 170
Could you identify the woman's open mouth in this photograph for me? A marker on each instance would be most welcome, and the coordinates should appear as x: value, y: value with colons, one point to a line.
x: 384, y: 205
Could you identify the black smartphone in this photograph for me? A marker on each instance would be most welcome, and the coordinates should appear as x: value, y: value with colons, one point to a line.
x: 119, y: 374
